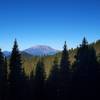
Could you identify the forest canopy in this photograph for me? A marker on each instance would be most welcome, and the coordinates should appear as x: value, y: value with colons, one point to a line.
x: 67, y: 75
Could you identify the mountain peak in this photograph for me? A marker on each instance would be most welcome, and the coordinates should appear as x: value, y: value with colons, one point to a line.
x: 41, y: 50
x: 38, y: 50
x: 42, y: 47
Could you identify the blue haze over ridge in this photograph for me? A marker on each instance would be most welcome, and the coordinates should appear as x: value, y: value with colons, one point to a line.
x: 39, y: 50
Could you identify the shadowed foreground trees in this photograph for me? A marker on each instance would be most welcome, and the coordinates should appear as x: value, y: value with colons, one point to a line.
x: 59, y: 78
x: 64, y: 74
x: 53, y: 86
x: 62, y: 84
x: 16, y: 75
x: 39, y: 80
x: 3, y: 77
x: 98, y: 79
x: 84, y: 77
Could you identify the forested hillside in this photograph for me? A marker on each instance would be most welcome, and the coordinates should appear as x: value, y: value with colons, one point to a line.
x: 29, y: 61
x: 69, y: 75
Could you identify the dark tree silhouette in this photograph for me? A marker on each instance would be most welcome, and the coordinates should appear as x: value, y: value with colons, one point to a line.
x: 64, y: 73
x: 39, y: 80
x: 98, y: 78
x: 32, y: 85
x: 16, y: 76
x: 53, y: 81
x: 80, y: 83
x: 1, y: 74
x: 99, y: 58
x: 84, y: 78
x: 64, y: 65
x: 3, y: 77
x: 5, y: 69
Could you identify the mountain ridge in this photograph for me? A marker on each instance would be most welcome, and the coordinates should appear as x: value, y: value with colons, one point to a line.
x: 41, y: 50
x: 96, y: 45
x: 38, y: 50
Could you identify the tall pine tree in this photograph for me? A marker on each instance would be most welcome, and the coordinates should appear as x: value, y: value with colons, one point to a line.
x: 16, y: 73
x: 53, y: 81
x: 39, y: 80
x: 84, y: 79
x: 3, y: 77
x: 64, y: 73
x: 1, y: 74
x: 32, y: 85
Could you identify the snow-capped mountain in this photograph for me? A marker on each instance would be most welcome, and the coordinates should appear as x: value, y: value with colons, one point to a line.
x: 41, y: 50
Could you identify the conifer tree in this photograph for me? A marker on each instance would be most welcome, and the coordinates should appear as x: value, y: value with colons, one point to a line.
x: 16, y: 73
x: 85, y: 74
x: 1, y: 65
x: 1, y: 74
x: 64, y: 64
x: 39, y: 80
x: 32, y: 85
x: 5, y: 69
x: 98, y: 78
x: 5, y: 79
x: 64, y: 73
x: 53, y: 81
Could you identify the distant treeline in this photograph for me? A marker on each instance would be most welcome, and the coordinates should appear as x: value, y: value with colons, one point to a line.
x: 81, y: 83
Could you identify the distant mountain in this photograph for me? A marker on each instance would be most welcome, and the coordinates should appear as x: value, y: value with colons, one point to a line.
x: 26, y: 55
x: 41, y: 50
x: 7, y: 53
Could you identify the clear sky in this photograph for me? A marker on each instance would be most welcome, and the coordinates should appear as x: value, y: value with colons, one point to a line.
x: 48, y: 22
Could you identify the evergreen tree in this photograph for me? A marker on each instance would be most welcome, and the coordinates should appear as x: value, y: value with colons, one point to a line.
x: 32, y: 85
x: 98, y: 58
x: 64, y: 64
x: 1, y: 66
x: 16, y: 73
x: 3, y: 77
x: 39, y: 80
x: 53, y: 81
x: 5, y: 69
x: 98, y: 77
x: 64, y: 73
x: 85, y: 73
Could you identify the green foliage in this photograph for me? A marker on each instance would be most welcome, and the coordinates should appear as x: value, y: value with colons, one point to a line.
x: 98, y: 58
x: 40, y: 71
x: 29, y: 62
x: 54, y: 73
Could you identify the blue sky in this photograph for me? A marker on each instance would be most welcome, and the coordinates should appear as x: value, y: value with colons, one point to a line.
x: 48, y: 22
